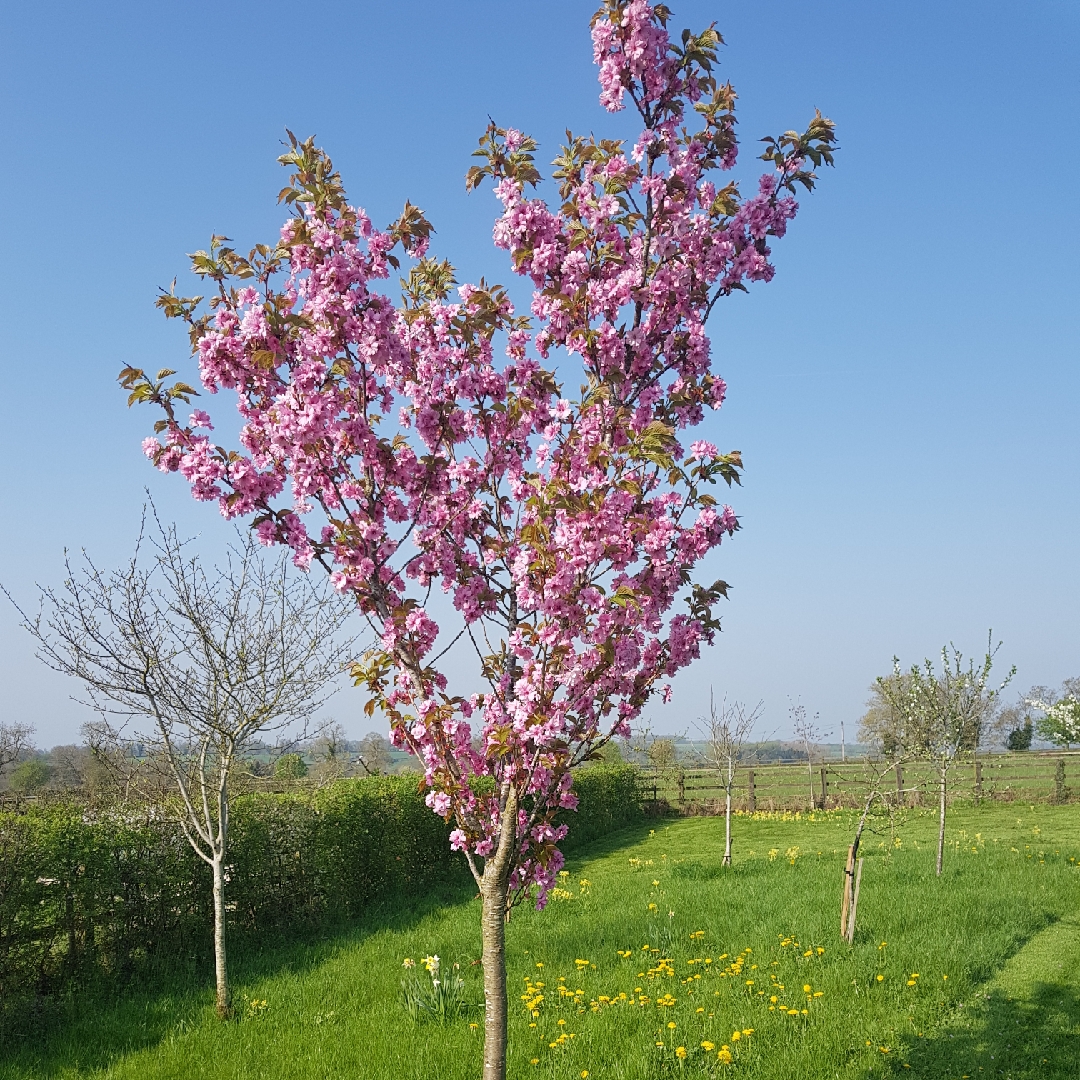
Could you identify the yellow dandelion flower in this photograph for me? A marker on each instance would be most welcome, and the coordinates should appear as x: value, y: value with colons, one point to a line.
x: 671, y: 1025
x: 880, y: 978
x: 708, y: 1046
x: 680, y: 1052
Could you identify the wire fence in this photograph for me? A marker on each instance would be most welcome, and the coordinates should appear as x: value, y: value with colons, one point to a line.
x: 1033, y: 776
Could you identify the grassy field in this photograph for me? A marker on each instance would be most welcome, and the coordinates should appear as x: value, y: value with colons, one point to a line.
x: 656, y: 962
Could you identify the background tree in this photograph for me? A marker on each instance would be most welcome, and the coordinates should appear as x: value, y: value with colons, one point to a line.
x: 30, y: 776
x: 564, y: 523
x: 1060, y: 720
x: 882, y: 726
x: 725, y: 734
x: 330, y: 749
x: 290, y: 766
x: 1021, y: 736
x: 941, y: 715
x: 374, y: 755
x: 210, y: 659
x: 661, y: 754
x: 15, y: 741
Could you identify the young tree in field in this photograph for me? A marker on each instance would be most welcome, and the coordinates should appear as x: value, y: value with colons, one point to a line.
x: 211, y: 659
x: 556, y: 493
x: 808, y: 732
x: 726, y: 732
x: 941, y: 715
x: 876, y: 794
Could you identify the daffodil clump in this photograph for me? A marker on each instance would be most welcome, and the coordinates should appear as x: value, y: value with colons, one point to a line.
x: 439, y: 997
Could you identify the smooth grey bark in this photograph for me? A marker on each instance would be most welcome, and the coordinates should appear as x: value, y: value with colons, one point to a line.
x: 727, y: 827
x: 941, y: 819
x: 494, y: 888
x: 221, y: 980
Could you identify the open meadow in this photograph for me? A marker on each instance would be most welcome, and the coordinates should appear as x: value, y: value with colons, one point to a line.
x: 652, y: 961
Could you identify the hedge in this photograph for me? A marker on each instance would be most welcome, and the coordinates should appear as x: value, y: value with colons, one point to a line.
x: 89, y: 896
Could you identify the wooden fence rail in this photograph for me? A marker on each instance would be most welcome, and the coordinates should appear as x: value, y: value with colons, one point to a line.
x: 1035, y: 776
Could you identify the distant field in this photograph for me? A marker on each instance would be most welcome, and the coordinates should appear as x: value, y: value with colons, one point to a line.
x: 658, y: 958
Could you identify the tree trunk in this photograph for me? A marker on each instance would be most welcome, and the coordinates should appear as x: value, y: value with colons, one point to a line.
x: 224, y: 997
x: 493, y: 894
x: 727, y: 828
x: 941, y: 820
x: 493, y: 921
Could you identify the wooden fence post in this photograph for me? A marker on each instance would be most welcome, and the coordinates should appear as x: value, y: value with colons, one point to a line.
x: 1061, y: 792
x: 978, y: 782
x: 824, y: 787
x: 751, y: 795
x: 682, y: 786
x: 854, y: 903
x: 845, y: 900
x: 899, y: 782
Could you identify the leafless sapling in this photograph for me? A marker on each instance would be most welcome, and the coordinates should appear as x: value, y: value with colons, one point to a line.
x: 207, y: 658
x: 725, y: 732
x: 808, y: 732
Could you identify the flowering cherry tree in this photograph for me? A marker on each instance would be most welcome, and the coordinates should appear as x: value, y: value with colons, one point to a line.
x: 1060, y: 723
x: 554, y: 492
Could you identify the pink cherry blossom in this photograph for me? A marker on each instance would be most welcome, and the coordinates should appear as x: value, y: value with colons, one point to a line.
x: 441, y: 441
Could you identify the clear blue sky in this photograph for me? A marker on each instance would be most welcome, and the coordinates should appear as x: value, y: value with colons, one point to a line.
x: 904, y: 392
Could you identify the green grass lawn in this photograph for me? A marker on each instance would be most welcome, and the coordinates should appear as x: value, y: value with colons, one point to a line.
x: 975, y: 974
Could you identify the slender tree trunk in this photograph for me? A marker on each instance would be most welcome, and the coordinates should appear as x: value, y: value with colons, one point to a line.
x: 224, y: 997
x: 727, y: 827
x: 493, y: 901
x: 493, y: 894
x: 941, y: 819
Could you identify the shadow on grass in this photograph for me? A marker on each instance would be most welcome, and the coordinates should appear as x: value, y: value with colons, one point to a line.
x: 1030, y: 1039
x: 612, y: 842
x: 99, y: 1024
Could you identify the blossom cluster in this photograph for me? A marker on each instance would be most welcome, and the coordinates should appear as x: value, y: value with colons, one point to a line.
x: 390, y: 443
